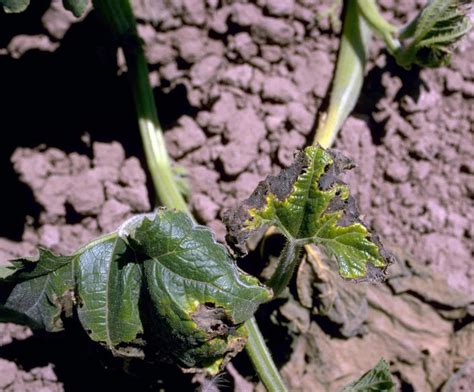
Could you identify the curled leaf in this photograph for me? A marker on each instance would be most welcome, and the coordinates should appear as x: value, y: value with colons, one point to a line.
x: 160, y: 278
x: 309, y: 204
x: 199, y: 298
x: 432, y: 33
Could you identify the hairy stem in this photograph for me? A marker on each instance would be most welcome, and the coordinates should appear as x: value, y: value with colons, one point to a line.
x: 289, y: 258
x: 349, y: 75
x: 119, y: 17
x: 261, y: 358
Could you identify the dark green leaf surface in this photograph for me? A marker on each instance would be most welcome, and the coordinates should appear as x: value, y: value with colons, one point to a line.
x: 317, y: 209
x: 197, y: 293
x: 77, y: 7
x: 43, y: 291
x: 14, y: 5
x: 162, y: 268
x: 377, y: 379
x: 108, y: 288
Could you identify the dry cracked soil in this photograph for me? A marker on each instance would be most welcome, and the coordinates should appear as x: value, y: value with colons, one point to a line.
x: 238, y: 85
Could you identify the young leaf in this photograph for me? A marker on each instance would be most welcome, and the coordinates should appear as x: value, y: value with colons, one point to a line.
x: 308, y: 203
x: 13, y: 6
x: 377, y: 379
x: 198, y: 296
x: 432, y: 33
x: 77, y: 7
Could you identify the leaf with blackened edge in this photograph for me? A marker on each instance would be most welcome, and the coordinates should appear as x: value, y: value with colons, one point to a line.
x: 309, y: 204
x: 199, y: 299
x: 377, y: 379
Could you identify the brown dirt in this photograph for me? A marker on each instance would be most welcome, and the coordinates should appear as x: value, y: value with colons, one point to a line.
x: 238, y: 85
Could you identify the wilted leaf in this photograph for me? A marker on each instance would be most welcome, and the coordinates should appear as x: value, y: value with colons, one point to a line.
x: 161, y: 268
x: 108, y: 284
x: 99, y: 279
x: 377, y: 379
x: 308, y: 203
x: 198, y: 295
x: 432, y: 33
x: 77, y: 7
x: 12, y: 6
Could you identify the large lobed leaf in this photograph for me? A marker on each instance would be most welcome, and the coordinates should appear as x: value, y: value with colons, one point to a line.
x: 308, y: 203
x: 192, y: 282
x: 165, y: 270
x: 377, y: 379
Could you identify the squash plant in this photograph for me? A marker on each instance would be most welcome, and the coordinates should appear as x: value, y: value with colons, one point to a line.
x: 161, y: 286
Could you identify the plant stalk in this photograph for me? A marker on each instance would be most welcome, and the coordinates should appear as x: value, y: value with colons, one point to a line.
x: 119, y: 16
x: 349, y: 75
x: 261, y: 358
x: 289, y: 258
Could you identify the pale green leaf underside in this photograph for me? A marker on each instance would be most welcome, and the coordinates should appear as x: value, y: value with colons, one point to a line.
x: 377, y: 379
x: 309, y: 214
x: 104, y: 285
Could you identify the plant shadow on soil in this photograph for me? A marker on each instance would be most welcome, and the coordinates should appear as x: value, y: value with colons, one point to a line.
x: 52, y: 99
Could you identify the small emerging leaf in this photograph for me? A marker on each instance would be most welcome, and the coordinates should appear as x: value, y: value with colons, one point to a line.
x: 432, y: 33
x: 310, y: 204
x: 13, y: 6
x: 377, y: 379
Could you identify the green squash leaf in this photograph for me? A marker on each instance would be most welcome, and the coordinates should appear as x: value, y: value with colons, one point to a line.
x: 377, y: 379
x: 309, y: 204
x: 160, y: 278
x: 108, y: 290
x: 101, y: 279
x: 432, y: 33
x: 13, y: 6
x: 77, y: 7
x: 198, y: 296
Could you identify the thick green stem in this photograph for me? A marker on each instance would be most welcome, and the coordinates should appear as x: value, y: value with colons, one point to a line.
x: 119, y: 16
x: 349, y: 76
x: 262, y: 360
x: 289, y: 258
